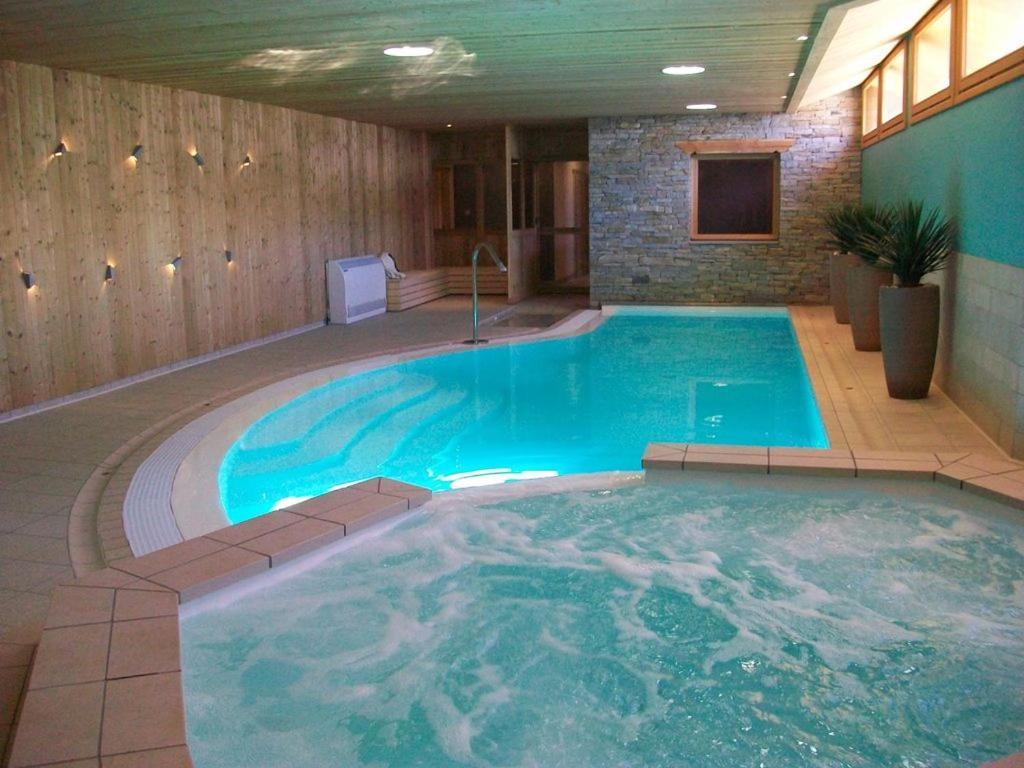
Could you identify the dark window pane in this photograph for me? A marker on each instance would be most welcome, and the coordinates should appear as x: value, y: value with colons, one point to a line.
x: 735, y: 197
x: 495, y: 210
x: 464, y: 179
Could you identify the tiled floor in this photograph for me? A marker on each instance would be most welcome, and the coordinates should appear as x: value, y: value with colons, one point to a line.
x: 45, y: 458
x: 856, y: 407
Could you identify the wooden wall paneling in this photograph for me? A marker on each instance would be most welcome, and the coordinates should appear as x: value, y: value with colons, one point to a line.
x: 13, y: 364
x: 356, y: 188
x: 47, y: 327
x: 317, y: 188
x: 370, y: 135
x: 82, y: 235
x: 122, y: 104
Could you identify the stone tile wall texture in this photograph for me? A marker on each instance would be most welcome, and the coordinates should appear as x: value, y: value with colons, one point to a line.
x: 981, y: 346
x: 640, y: 207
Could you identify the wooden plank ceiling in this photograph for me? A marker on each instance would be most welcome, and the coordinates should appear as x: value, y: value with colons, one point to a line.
x: 525, y: 61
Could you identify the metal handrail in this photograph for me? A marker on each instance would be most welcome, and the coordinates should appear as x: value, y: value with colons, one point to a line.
x: 476, y: 300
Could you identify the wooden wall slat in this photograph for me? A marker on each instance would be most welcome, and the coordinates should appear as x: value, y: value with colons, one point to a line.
x: 318, y: 188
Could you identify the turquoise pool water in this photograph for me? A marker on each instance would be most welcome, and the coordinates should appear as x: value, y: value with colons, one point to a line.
x: 708, y: 625
x: 588, y: 403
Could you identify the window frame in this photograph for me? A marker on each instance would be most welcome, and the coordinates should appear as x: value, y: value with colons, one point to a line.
x: 941, y: 99
x: 736, y: 237
x: 899, y: 122
x: 869, y: 138
x: 993, y: 74
x: 962, y: 87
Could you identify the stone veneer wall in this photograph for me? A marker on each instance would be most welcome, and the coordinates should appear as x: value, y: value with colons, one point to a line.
x: 640, y: 249
x: 981, y: 346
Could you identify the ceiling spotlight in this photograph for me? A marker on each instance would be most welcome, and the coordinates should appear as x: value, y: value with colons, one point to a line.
x: 109, y: 272
x: 228, y: 257
x: 448, y: 125
x: 137, y: 151
x: 29, y: 280
x: 683, y: 69
x: 407, y: 51
x: 246, y: 162
x: 60, y: 149
x: 175, y: 264
x: 801, y: 38
x: 701, y: 106
x: 792, y: 74
x: 197, y: 157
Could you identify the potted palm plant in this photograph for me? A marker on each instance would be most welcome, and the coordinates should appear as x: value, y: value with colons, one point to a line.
x: 870, y: 225
x: 914, y: 245
x: 842, y: 225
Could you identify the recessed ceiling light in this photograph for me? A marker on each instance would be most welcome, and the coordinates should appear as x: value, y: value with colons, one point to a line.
x: 792, y: 74
x: 702, y: 106
x: 801, y: 38
x: 408, y: 50
x: 683, y: 69
x: 447, y: 125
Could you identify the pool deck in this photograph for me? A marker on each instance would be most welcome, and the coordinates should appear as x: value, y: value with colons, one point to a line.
x: 58, y: 465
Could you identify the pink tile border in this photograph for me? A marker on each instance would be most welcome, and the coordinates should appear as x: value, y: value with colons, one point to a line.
x: 992, y: 477
x: 106, y: 680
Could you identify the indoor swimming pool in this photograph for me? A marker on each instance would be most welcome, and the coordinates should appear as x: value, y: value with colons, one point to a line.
x: 580, y: 404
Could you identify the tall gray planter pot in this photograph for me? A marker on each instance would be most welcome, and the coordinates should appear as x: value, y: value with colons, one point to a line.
x: 838, y: 265
x: 862, y: 285
x: 910, y: 335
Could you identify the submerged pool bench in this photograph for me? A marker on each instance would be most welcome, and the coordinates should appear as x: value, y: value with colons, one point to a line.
x: 423, y: 285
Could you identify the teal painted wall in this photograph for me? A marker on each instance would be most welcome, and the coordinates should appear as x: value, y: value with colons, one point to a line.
x: 969, y: 160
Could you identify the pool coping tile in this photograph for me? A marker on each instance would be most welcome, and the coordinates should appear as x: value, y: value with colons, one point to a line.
x: 699, y: 459
x: 292, y: 541
x: 106, y: 679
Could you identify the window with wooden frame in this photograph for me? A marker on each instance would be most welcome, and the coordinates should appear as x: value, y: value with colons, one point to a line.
x: 893, y: 81
x: 735, y: 197
x: 959, y: 49
x: 992, y: 44
x: 869, y: 109
x: 931, y: 62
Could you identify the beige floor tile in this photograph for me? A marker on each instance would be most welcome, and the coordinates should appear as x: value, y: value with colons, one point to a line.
x: 212, y: 572
x: 258, y: 526
x: 70, y: 655
x: 79, y: 605
x: 293, y: 541
x: 365, y: 512
x: 58, y: 724
x: 143, y: 713
x: 172, y: 757
x: 170, y: 557
x: 144, y: 647
x: 138, y: 604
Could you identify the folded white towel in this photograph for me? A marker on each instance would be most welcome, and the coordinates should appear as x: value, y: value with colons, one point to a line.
x: 390, y: 268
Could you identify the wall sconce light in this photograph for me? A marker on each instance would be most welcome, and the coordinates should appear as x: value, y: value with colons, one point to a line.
x: 29, y: 280
x: 246, y: 162
x: 229, y: 257
x: 109, y: 272
x: 197, y: 157
x: 60, y: 149
x: 137, y: 151
x: 176, y: 263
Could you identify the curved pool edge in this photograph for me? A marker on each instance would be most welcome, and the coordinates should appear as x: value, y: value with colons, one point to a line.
x: 174, y: 495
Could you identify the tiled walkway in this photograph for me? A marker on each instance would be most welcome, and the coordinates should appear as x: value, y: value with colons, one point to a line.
x: 46, y: 458
x: 856, y: 406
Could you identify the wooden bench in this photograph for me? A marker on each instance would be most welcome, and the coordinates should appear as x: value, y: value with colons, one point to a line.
x: 423, y: 285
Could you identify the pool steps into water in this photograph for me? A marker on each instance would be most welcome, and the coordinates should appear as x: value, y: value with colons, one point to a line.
x: 119, y: 691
